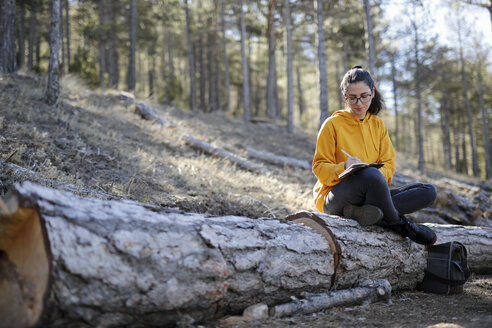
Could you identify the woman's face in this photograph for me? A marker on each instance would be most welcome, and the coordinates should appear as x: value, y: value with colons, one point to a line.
x: 358, y: 97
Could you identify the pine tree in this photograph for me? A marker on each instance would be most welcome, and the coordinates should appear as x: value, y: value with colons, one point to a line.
x: 7, y: 39
x: 53, y: 87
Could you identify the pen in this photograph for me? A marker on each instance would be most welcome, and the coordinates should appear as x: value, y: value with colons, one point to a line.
x: 343, y: 151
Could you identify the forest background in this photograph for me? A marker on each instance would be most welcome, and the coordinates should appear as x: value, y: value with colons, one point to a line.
x: 275, y: 61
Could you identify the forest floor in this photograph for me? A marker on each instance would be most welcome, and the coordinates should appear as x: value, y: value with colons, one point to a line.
x: 95, y: 139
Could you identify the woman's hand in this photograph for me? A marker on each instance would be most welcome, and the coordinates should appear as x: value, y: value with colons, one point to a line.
x: 352, y: 160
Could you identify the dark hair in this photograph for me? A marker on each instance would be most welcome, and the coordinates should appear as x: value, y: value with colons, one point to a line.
x: 358, y: 74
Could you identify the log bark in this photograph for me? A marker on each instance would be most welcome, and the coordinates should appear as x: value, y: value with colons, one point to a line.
x: 209, y: 149
x: 72, y: 260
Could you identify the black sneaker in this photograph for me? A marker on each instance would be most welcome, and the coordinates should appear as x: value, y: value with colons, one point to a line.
x: 365, y: 214
x: 416, y: 232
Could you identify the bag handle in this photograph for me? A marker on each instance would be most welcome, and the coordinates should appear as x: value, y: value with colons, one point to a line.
x: 464, y: 262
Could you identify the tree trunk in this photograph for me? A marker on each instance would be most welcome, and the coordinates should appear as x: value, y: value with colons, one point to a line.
x: 38, y: 49
x: 463, y: 150
x: 211, y: 60
x: 112, y: 55
x: 139, y: 73
x: 22, y: 43
x: 226, y: 58
x: 133, y: 46
x: 485, y: 124
x: 246, y: 96
x: 151, y: 75
x: 71, y: 260
x: 289, y: 69
x: 456, y: 134
x: 116, y: 75
x: 300, y: 93
x: 191, y: 58
x: 271, y: 102
x: 62, y: 42
x: 323, y: 84
x: 467, y: 105
x: 31, y: 39
x: 172, y: 75
x: 254, y: 78
x: 67, y: 33
x: 201, y: 63
x: 489, y: 8
x: 218, y: 80
x: 102, y: 44
x: 7, y: 38
x: 395, y: 100
x: 420, y: 136
x: 444, y: 111
x: 53, y: 87
x: 339, y: 75
x: 369, y: 38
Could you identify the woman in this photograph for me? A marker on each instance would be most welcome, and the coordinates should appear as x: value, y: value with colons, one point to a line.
x: 356, y: 135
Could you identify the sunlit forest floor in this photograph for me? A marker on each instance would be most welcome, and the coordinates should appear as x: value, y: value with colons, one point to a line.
x: 95, y: 139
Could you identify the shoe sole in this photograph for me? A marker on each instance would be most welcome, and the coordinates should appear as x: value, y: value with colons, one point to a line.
x: 365, y: 214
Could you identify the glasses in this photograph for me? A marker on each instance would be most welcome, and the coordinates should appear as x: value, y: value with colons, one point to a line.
x: 363, y: 99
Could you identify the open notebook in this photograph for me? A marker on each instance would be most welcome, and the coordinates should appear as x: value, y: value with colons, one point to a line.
x: 357, y: 167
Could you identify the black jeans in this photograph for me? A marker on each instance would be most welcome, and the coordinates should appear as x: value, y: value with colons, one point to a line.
x: 369, y: 186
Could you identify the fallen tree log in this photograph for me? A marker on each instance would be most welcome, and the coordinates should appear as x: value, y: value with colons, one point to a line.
x: 215, y: 151
x: 67, y: 259
x: 367, y: 292
x: 453, y: 207
x: 148, y: 113
x: 279, y: 160
x: 477, y: 240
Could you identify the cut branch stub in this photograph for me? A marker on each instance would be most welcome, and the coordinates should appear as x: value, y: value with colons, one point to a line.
x: 314, y: 222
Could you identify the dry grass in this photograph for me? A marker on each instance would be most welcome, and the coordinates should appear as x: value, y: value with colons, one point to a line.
x: 94, y: 139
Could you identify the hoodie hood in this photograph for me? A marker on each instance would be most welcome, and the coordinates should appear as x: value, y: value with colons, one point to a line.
x: 351, y: 119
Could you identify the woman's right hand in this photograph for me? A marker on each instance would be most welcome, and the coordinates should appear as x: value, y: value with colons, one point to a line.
x: 352, y: 160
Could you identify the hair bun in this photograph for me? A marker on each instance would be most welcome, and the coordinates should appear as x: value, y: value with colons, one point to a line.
x: 356, y: 67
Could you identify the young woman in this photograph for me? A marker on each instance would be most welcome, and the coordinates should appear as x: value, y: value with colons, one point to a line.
x: 354, y: 135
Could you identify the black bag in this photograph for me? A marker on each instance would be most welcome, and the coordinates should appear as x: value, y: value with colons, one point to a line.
x: 447, y: 269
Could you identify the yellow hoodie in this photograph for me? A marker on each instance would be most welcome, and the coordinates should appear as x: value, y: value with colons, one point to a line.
x: 368, y: 140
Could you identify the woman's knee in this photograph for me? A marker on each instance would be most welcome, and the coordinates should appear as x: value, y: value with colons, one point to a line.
x: 372, y: 175
x: 429, y: 191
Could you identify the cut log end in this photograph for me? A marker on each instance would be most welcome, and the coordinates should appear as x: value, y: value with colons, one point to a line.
x: 312, y: 221
x: 24, y: 266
